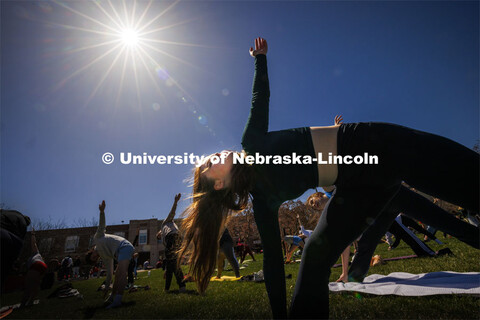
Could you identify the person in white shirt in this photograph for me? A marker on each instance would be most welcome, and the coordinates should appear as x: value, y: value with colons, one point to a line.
x: 296, y: 241
x: 108, y: 247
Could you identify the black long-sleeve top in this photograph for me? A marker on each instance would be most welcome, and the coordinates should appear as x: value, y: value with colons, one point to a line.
x: 274, y: 184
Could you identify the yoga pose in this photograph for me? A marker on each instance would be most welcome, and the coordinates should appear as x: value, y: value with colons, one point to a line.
x: 110, y: 247
x: 425, y: 161
x: 13, y: 227
x: 226, y: 251
x: 417, y: 207
x: 296, y: 241
x: 243, y: 249
x: 36, y: 270
x: 171, y: 240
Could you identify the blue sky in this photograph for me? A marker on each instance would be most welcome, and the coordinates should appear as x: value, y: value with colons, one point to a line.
x: 68, y: 95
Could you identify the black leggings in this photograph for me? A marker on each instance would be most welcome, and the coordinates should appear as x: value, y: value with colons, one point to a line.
x: 171, y: 267
x: 432, y: 164
x: 401, y: 232
x: 417, y: 207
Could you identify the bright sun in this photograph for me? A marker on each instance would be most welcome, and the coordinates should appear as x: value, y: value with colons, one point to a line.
x: 129, y: 37
x: 126, y: 36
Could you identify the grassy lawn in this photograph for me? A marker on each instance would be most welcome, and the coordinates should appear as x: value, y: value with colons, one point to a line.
x: 248, y: 300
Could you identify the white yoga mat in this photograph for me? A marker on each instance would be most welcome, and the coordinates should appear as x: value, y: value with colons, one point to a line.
x: 407, y: 284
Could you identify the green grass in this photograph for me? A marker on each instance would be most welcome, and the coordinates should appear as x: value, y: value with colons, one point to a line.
x: 248, y: 300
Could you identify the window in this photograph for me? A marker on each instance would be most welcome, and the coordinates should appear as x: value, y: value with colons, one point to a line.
x: 71, y: 243
x: 120, y: 234
x: 142, y: 236
x: 45, y: 245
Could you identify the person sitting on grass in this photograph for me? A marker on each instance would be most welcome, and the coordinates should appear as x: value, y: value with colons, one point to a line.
x: 36, y: 270
x: 108, y: 247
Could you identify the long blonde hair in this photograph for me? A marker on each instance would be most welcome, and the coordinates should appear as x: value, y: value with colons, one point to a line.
x: 206, y: 216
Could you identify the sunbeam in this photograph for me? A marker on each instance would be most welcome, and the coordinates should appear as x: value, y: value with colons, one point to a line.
x: 119, y: 39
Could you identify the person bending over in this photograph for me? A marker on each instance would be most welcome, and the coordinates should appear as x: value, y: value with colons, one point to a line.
x: 221, y: 187
x: 171, y: 240
x: 226, y: 251
x: 296, y: 241
x: 13, y: 227
x: 36, y: 270
x: 110, y: 247
x: 415, y: 206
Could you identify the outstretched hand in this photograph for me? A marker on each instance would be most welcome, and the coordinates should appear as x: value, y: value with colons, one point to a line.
x: 338, y: 120
x: 177, y: 197
x: 101, y: 206
x: 261, y: 47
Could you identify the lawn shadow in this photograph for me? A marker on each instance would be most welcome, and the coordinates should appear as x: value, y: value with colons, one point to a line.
x: 189, y: 292
x: 89, y: 312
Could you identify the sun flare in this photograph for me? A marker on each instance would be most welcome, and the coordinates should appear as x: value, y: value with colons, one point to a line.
x: 129, y: 47
x: 130, y: 37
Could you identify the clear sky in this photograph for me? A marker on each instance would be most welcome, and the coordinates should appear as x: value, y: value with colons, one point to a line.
x: 72, y: 90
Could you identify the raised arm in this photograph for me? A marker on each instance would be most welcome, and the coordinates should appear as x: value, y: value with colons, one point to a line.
x: 101, y: 221
x: 257, y: 123
x: 171, y: 215
x: 273, y: 267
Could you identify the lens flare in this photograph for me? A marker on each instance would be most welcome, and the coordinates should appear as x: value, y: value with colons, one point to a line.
x: 130, y: 37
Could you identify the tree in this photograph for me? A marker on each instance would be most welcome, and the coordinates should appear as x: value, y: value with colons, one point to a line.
x: 84, y: 222
x: 48, y: 224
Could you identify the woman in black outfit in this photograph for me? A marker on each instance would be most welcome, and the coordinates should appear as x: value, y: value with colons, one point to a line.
x: 425, y: 161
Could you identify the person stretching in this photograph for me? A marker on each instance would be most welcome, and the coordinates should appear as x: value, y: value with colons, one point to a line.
x: 403, y: 154
x: 171, y: 240
x: 36, y: 270
x: 226, y: 251
x: 296, y: 241
x: 108, y: 247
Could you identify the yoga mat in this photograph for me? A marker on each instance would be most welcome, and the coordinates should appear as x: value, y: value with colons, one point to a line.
x: 226, y: 278
x: 4, y: 310
x: 408, y: 284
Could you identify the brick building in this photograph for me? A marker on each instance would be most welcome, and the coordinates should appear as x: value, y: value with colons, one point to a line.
x: 59, y: 243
